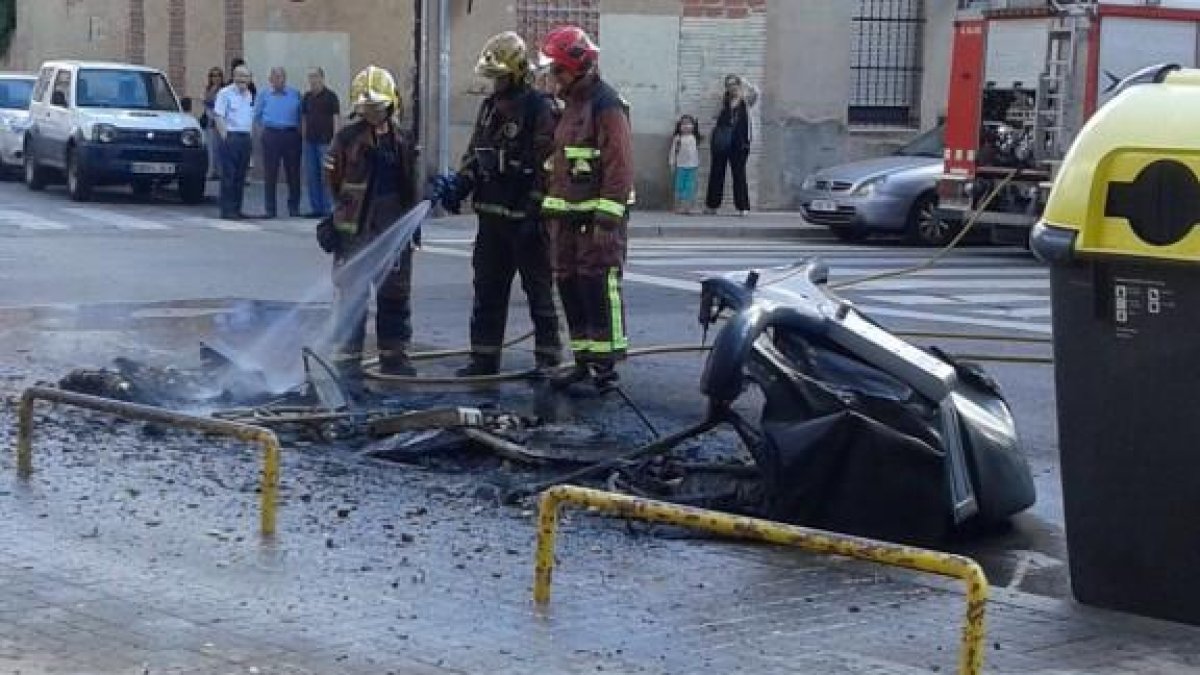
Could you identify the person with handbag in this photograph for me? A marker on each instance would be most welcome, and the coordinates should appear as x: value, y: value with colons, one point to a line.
x: 730, y: 143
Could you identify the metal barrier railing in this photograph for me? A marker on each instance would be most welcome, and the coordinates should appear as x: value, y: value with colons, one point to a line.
x: 814, y: 541
x: 244, y: 432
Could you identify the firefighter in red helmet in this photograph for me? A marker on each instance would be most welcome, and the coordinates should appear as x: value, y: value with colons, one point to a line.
x: 588, y: 192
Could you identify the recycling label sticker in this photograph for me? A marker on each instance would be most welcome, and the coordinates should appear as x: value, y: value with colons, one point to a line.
x: 1139, y: 302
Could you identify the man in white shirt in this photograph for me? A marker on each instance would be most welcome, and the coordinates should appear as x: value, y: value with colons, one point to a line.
x: 234, y: 117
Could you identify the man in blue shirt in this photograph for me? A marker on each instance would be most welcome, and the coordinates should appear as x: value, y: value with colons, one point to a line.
x: 277, y: 114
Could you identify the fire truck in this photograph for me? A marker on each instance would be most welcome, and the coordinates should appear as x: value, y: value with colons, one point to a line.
x: 1025, y: 76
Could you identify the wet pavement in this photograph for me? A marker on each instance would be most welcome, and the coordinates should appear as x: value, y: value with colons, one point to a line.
x: 134, y: 549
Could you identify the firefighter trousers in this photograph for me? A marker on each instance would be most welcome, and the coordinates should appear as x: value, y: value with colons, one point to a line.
x: 393, y: 314
x: 589, y: 260
x: 504, y: 248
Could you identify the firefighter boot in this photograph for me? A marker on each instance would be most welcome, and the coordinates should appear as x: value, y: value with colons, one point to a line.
x: 604, y: 375
x: 350, y: 376
x: 480, y: 366
x: 578, y: 373
x: 546, y: 362
x: 396, y: 363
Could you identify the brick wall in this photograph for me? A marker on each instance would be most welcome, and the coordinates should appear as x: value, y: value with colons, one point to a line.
x: 717, y: 38
x: 135, y: 41
x: 235, y: 25
x: 177, y: 45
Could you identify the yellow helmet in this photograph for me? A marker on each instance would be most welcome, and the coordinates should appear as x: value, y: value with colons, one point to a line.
x: 374, y: 86
x: 503, y: 55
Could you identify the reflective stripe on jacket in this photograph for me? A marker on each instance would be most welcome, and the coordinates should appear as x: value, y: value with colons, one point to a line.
x: 348, y: 169
x: 591, y: 171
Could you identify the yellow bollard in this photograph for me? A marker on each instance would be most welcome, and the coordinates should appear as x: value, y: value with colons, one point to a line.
x: 243, y: 432
x: 813, y: 541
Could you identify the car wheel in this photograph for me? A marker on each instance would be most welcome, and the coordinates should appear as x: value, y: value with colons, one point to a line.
x: 850, y: 235
x: 35, y: 176
x: 142, y: 189
x: 78, y: 184
x: 924, y: 227
x: 191, y: 190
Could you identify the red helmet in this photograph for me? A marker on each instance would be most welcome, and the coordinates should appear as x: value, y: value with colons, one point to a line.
x: 569, y: 47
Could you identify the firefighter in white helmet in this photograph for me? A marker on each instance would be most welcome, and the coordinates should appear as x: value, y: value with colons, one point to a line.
x: 371, y: 170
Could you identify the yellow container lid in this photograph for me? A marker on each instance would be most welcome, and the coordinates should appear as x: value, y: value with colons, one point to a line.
x: 1130, y: 184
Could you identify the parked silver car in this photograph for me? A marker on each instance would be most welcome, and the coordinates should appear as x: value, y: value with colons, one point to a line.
x: 15, y: 91
x: 893, y: 194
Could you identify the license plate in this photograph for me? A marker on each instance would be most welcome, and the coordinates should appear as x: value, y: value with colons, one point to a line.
x: 157, y: 168
x: 823, y: 206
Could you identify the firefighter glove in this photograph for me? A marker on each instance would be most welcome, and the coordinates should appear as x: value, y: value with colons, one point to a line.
x: 447, y: 190
x: 327, y: 236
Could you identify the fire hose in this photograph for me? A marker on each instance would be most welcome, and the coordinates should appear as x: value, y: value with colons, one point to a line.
x: 372, y: 365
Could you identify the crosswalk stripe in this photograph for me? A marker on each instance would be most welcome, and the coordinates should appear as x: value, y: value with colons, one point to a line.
x: 223, y: 225
x: 836, y: 272
x: 774, y: 259
x: 28, y: 221
x: 957, y: 299
x: 908, y: 283
x: 721, y: 246
x: 1043, y: 312
x: 981, y: 322
x: 120, y: 221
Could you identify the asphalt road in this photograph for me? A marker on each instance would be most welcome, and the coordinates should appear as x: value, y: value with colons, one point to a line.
x: 82, y: 283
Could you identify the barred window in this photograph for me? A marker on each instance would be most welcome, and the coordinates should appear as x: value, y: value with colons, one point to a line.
x: 886, y: 62
x: 535, y: 18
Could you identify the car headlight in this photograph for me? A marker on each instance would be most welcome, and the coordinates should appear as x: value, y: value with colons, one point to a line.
x: 190, y: 137
x: 104, y: 133
x: 809, y: 183
x: 870, y: 187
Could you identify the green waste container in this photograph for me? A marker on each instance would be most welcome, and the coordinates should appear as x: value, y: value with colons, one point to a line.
x: 1121, y: 232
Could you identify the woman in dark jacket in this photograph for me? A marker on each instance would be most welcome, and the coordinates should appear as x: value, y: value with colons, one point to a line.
x: 730, y: 145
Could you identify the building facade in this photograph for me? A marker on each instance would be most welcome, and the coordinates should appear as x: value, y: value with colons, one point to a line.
x: 840, y: 79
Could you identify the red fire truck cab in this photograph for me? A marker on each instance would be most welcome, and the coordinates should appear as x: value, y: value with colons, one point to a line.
x: 1024, y: 78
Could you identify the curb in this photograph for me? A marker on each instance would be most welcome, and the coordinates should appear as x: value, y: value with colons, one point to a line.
x: 803, y: 232
x: 739, y: 232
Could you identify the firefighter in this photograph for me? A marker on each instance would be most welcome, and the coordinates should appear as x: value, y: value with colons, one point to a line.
x: 586, y: 206
x: 513, y: 137
x: 371, y: 170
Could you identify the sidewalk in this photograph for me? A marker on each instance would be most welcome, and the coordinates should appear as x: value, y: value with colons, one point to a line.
x: 665, y: 224
x: 643, y: 224
x: 138, y: 556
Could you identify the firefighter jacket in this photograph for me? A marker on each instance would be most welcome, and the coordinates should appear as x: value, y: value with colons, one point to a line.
x: 591, y: 171
x: 513, y: 138
x: 373, y: 179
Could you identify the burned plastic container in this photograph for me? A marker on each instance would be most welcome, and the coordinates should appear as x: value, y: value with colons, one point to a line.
x: 861, y: 431
x: 1119, y: 232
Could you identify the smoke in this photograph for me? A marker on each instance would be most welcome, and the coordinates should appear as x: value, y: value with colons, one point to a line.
x: 277, y: 352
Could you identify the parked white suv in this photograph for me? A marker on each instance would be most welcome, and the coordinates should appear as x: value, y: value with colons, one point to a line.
x: 15, y: 89
x: 111, y: 124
